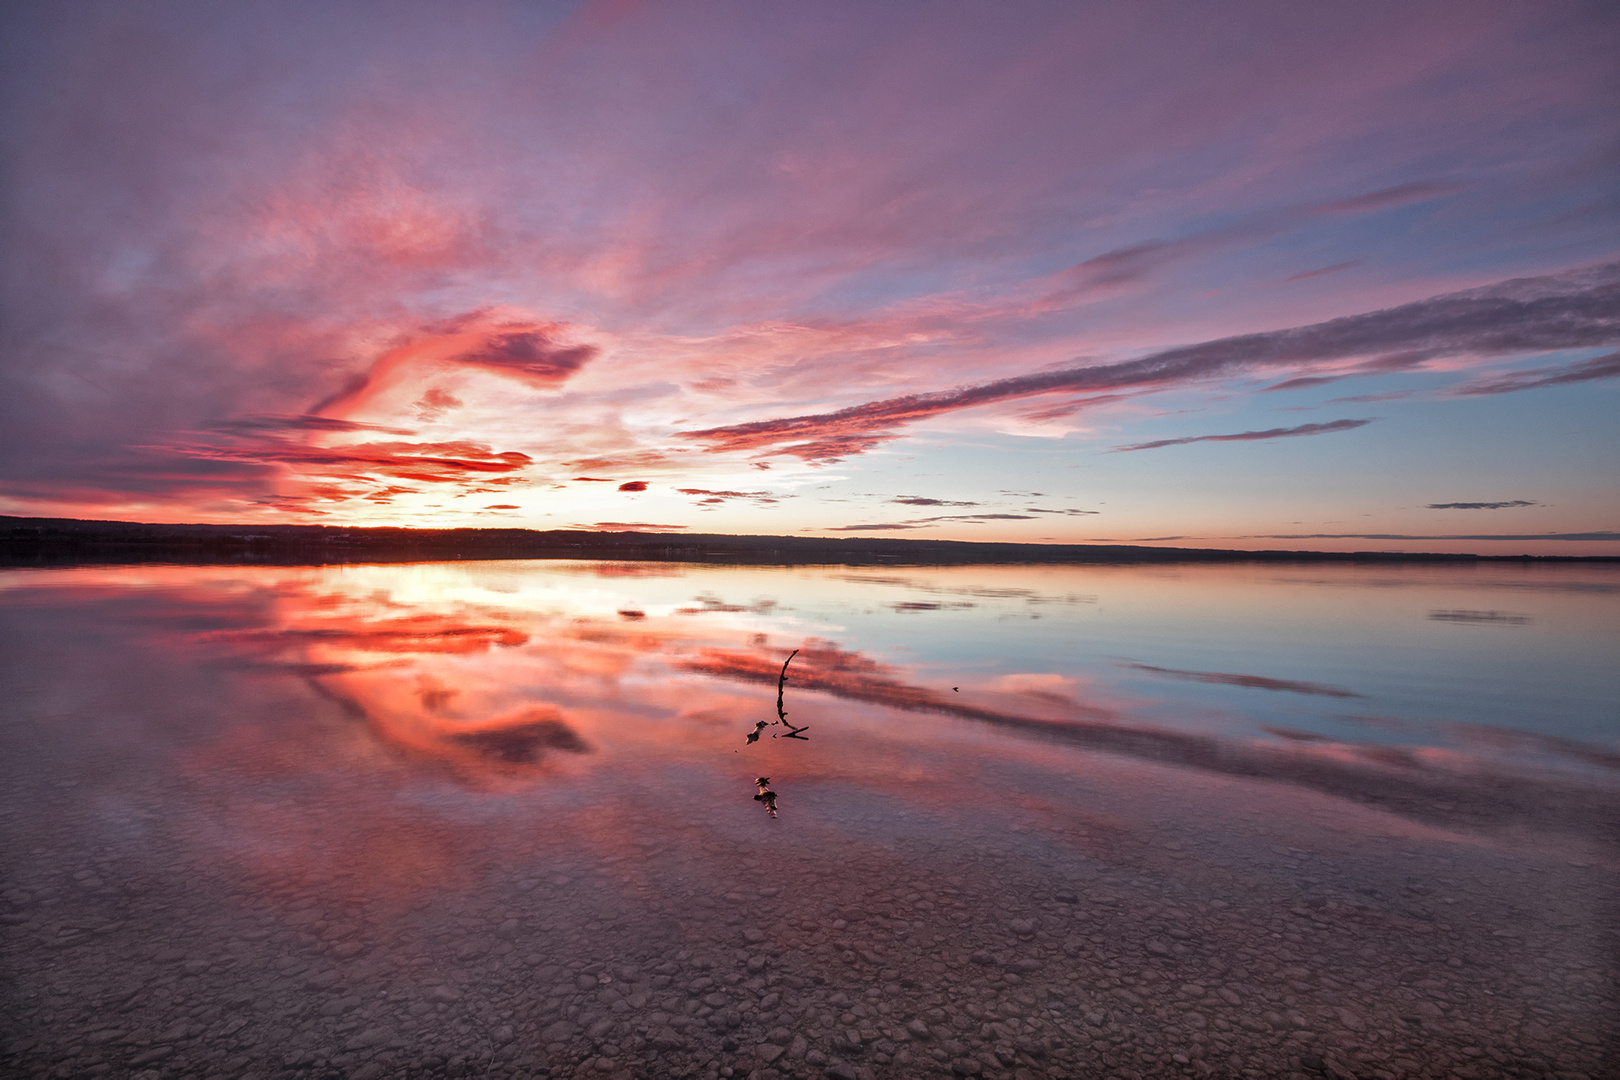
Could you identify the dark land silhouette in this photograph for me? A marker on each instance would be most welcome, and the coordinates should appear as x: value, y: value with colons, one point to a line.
x: 33, y: 541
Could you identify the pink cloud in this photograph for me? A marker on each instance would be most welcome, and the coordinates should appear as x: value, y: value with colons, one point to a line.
x: 599, y: 241
x: 1561, y: 311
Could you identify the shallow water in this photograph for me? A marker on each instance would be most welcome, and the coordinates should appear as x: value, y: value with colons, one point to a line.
x: 497, y: 819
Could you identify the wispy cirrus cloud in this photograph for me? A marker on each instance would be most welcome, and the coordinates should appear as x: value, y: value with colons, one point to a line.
x: 1480, y: 505
x: 1306, y: 275
x: 1572, y: 310
x: 1250, y: 436
x: 1400, y: 195
x: 928, y: 522
x: 1303, y: 382
x: 431, y: 462
x: 709, y: 498
x: 269, y: 423
x: 1125, y: 266
x: 314, y: 479
x: 1602, y: 367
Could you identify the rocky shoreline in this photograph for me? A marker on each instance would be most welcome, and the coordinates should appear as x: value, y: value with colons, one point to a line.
x: 898, y: 950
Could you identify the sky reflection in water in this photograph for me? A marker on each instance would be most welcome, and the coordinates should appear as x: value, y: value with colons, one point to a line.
x: 500, y: 672
x: 457, y: 784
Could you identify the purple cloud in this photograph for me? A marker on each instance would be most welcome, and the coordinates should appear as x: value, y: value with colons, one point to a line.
x: 1603, y: 367
x: 1401, y: 195
x: 1562, y: 311
x: 1304, y: 382
x: 1248, y: 436
x: 530, y: 355
x: 1306, y: 275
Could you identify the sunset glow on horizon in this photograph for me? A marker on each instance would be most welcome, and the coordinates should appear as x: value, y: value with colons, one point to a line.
x: 1326, y: 277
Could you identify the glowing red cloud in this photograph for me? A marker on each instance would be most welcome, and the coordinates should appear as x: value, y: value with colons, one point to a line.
x: 448, y: 462
x: 531, y: 353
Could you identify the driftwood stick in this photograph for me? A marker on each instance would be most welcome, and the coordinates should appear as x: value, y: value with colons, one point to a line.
x: 781, y: 713
x: 781, y: 682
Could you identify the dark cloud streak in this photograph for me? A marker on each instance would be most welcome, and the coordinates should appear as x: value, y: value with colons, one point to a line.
x: 1251, y: 682
x: 251, y: 424
x: 530, y: 355
x: 1401, y: 195
x: 1602, y: 367
x: 1306, y: 275
x: 1480, y: 505
x: 930, y: 522
x: 1250, y: 436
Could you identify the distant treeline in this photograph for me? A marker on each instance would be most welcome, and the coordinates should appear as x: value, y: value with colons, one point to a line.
x: 34, y: 541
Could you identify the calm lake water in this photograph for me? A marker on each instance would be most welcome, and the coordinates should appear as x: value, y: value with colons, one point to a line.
x: 498, y: 819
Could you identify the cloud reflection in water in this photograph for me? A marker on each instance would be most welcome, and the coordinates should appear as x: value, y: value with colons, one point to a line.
x: 504, y: 673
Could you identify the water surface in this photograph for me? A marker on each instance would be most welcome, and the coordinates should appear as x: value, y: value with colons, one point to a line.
x: 497, y: 819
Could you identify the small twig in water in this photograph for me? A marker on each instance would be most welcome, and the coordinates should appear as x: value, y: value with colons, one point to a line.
x: 781, y: 713
x: 781, y: 683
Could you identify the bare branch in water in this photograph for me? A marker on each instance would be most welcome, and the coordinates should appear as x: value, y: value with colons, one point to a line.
x: 781, y: 682
x: 781, y: 713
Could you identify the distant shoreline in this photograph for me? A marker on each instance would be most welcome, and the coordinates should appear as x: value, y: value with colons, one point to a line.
x: 58, y: 541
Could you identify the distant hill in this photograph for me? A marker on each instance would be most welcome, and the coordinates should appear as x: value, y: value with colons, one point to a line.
x: 25, y: 541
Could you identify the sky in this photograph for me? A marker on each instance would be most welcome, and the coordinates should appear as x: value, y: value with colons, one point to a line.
x: 1337, y: 276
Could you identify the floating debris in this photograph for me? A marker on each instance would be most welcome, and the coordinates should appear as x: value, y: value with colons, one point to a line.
x: 766, y: 795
